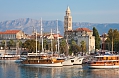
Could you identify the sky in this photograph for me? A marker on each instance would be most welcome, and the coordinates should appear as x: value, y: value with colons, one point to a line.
x: 93, y: 11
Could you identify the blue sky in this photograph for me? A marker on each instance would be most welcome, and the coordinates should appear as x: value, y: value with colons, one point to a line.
x: 94, y: 11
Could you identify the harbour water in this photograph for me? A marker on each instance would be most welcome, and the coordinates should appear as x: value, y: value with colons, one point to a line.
x: 14, y: 70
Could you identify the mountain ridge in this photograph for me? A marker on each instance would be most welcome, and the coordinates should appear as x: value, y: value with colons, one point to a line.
x: 27, y: 25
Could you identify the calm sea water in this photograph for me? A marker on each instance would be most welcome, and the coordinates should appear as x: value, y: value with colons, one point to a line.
x: 14, y: 70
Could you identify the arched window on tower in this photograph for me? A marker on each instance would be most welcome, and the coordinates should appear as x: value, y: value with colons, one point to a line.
x: 69, y: 24
x: 68, y: 14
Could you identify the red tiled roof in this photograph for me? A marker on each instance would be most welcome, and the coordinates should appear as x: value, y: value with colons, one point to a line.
x: 10, y: 32
x: 83, y: 29
x: 57, y: 35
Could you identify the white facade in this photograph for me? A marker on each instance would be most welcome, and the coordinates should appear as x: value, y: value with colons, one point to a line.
x: 89, y: 40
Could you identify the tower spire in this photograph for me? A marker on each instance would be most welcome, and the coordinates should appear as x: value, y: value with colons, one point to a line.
x: 68, y: 12
x: 68, y: 9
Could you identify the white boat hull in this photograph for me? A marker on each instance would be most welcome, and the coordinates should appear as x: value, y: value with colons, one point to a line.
x: 77, y: 61
x: 101, y: 67
x: 13, y: 61
x: 67, y: 63
x: 45, y: 65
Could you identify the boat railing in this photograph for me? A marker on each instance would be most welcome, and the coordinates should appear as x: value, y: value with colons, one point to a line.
x: 32, y: 54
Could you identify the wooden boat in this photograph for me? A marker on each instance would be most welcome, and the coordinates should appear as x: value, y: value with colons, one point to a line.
x: 41, y: 60
x: 104, y: 61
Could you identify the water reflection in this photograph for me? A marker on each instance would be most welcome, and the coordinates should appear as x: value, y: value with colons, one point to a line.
x: 9, y: 70
x: 105, y: 73
x: 35, y: 72
x: 52, y: 72
x: 13, y: 70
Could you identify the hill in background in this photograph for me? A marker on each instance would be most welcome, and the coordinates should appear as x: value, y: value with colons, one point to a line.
x: 27, y: 25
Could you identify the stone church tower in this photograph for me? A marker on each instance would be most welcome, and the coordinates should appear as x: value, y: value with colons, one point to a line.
x: 67, y: 21
x: 79, y: 34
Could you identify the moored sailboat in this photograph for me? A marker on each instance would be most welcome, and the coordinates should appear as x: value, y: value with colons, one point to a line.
x: 66, y: 61
x: 41, y: 59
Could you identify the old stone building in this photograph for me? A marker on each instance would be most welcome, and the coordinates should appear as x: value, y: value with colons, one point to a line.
x: 79, y: 34
x: 12, y: 34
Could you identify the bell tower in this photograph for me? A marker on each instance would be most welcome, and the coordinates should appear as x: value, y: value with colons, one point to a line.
x: 67, y: 20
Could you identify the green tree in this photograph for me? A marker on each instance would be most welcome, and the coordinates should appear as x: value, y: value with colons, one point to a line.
x: 83, y: 46
x: 30, y: 45
x: 97, y: 38
x: 112, y: 38
x: 45, y: 43
x: 11, y: 43
x: 19, y: 44
x: 63, y: 46
x: 116, y: 45
x: 3, y: 44
x: 54, y: 42
x: 74, y: 48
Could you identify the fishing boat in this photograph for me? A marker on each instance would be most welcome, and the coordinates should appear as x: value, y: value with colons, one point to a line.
x: 104, y: 61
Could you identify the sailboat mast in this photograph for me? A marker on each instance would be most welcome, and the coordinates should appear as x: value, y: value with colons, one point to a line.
x: 57, y: 36
x: 67, y: 49
x: 41, y: 35
x: 36, y: 42
x: 51, y: 42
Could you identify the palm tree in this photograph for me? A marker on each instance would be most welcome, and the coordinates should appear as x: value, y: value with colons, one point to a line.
x: 11, y: 43
x: 54, y: 45
x: 113, y: 36
x: 30, y: 45
x: 74, y: 48
x: 63, y: 46
x: 44, y: 44
x: 3, y: 44
x: 83, y: 46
